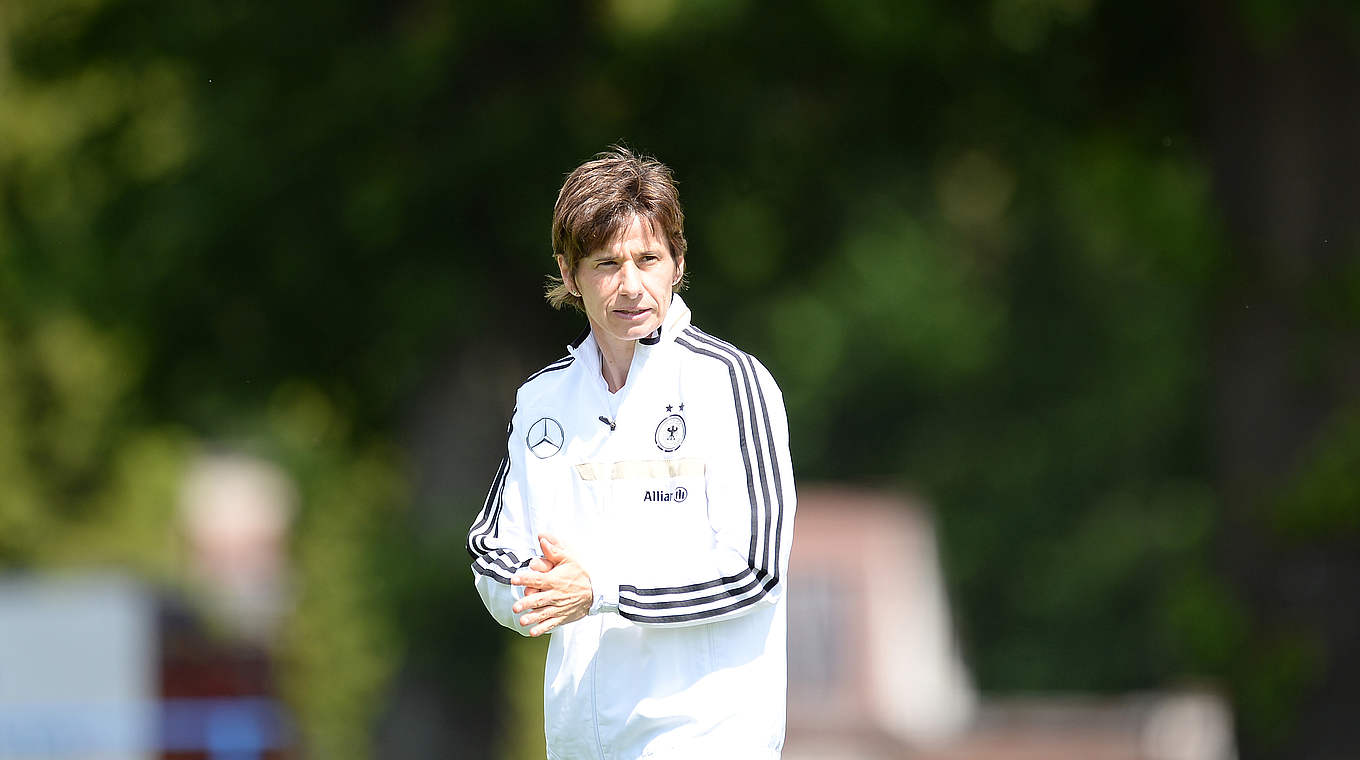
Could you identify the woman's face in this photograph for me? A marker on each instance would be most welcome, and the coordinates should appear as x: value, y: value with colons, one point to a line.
x: 626, y: 285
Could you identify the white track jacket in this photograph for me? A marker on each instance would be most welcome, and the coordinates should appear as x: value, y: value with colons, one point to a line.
x: 676, y: 495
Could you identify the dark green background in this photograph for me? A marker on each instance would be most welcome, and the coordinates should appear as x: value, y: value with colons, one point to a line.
x: 1084, y: 273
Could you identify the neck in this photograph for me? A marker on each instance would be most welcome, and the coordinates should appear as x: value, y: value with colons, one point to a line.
x: 616, y: 358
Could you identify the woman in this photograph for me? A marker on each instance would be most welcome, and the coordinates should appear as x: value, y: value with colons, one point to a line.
x: 644, y: 512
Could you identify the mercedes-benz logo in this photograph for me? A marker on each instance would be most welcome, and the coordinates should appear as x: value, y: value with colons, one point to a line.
x: 544, y: 438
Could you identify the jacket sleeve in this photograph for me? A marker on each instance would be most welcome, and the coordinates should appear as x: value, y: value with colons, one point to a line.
x: 751, y: 500
x: 501, y: 540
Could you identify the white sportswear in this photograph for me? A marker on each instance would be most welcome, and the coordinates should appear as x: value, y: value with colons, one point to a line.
x: 676, y: 495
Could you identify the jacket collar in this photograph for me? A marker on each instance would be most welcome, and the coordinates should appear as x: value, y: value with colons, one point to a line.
x: 677, y: 319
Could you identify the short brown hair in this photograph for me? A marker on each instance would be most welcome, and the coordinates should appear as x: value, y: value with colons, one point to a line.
x: 599, y: 200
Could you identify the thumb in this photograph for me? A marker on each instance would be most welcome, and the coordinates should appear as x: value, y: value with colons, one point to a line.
x: 551, y: 549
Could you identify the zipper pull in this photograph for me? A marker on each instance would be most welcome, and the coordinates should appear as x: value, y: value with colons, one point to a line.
x: 607, y: 421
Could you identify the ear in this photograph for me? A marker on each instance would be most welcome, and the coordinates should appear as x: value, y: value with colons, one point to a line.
x: 679, y: 270
x: 567, y: 278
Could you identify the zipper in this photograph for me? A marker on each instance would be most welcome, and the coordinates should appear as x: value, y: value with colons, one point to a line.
x: 594, y: 688
x: 607, y: 402
x: 605, y: 496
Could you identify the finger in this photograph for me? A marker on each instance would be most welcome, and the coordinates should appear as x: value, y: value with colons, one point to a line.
x: 546, y: 626
x: 540, y: 565
x: 558, y: 578
x: 539, y: 616
x: 550, y: 548
x: 560, y: 550
x: 531, y: 618
x: 525, y: 577
x: 530, y: 601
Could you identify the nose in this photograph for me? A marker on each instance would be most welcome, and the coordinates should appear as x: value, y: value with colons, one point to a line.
x: 630, y: 280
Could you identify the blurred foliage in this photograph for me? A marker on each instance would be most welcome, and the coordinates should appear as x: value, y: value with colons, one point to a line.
x: 976, y: 243
x: 524, y: 703
x: 1322, y: 503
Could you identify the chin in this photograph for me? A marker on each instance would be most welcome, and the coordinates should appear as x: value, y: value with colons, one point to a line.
x: 638, y: 332
x: 633, y: 331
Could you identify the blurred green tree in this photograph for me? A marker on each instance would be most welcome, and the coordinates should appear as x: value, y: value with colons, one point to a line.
x: 995, y: 252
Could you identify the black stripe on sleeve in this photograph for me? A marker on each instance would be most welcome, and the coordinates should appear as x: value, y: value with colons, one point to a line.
x: 749, y: 380
x: 487, y: 519
x: 775, y: 467
x: 741, y: 440
x: 775, y: 464
x: 701, y: 615
x: 686, y: 589
x: 499, y: 558
x: 560, y: 364
x: 726, y: 592
x: 499, y: 566
x: 732, y: 585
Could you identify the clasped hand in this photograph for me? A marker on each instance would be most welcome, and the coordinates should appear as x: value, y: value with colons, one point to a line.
x: 557, y: 590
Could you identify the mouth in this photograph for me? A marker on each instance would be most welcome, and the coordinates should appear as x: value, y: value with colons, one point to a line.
x: 632, y: 315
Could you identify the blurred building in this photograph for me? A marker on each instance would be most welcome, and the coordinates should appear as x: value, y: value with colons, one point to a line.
x: 875, y: 671
x: 870, y: 644
x: 103, y: 667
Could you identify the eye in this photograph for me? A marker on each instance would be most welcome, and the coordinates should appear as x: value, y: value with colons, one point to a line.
x: 606, y: 263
